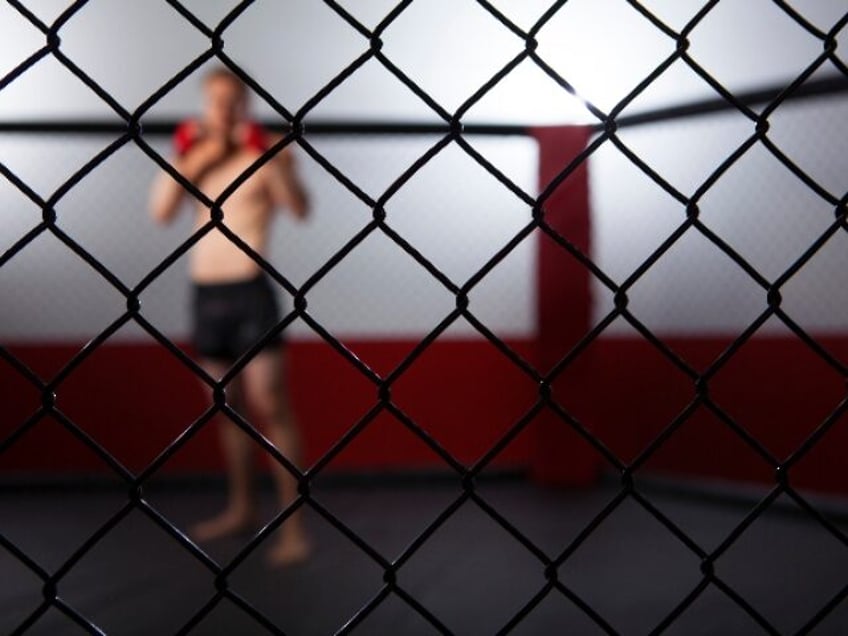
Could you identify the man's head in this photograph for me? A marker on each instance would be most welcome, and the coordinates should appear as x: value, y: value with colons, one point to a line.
x: 225, y: 101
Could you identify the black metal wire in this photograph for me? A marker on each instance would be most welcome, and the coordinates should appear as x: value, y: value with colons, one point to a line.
x: 810, y: 89
x: 132, y: 128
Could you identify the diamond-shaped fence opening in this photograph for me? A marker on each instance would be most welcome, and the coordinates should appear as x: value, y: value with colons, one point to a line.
x: 692, y: 324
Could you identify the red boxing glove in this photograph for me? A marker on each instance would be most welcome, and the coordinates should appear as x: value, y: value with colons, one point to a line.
x: 254, y: 137
x: 185, y: 136
x: 251, y: 135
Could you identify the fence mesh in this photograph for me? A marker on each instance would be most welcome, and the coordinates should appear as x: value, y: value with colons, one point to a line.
x: 42, y: 220
x: 454, y: 212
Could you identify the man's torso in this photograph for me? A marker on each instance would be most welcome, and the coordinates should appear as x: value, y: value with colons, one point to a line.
x: 247, y: 213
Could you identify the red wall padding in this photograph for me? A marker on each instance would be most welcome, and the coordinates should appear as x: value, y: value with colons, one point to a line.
x: 134, y: 399
x: 774, y: 387
x: 560, y: 455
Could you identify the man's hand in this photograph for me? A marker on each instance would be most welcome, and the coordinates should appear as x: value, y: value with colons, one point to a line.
x: 297, y: 200
x: 197, y: 154
x: 284, y: 183
x: 206, y: 153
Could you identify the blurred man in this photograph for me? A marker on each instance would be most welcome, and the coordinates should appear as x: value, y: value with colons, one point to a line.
x: 234, y: 303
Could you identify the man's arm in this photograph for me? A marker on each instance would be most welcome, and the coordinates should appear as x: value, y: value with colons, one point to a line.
x: 167, y: 193
x: 284, y: 184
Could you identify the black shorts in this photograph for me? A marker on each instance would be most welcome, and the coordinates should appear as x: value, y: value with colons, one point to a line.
x: 229, y: 318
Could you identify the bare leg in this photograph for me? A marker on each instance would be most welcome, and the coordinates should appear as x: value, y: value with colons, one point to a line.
x: 267, y: 392
x: 240, y: 515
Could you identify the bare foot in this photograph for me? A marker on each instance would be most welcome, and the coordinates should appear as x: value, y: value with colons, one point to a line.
x: 289, y: 550
x: 229, y: 523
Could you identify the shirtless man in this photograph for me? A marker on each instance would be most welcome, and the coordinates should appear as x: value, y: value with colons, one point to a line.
x: 234, y: 303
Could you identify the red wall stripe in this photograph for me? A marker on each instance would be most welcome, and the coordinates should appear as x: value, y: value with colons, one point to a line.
x: 135, y: 398
x: 560, y: 456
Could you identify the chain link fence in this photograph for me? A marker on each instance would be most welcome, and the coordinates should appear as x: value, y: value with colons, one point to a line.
x: 698, y: 211
x: 458, y: 228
